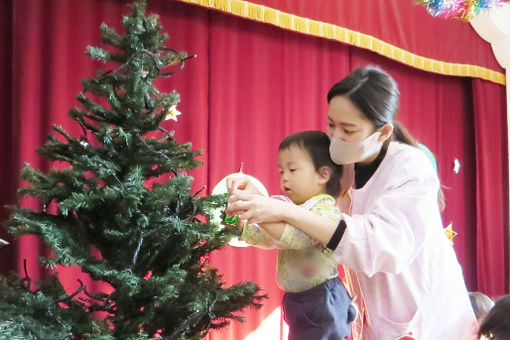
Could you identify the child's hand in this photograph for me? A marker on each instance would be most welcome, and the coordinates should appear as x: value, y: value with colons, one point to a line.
x: 256, y: 208
x: 241, y: 183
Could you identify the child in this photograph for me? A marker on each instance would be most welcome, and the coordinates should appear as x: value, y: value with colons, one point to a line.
x: 316, y: 304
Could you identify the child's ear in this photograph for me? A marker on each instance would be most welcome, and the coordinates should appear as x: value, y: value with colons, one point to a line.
x: 324, y: 173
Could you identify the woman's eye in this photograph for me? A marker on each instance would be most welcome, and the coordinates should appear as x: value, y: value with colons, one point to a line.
x: 292, y: 170
x: 349, y: 132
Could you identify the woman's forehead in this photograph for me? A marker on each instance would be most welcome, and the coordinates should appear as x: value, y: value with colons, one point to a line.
x: 343, y: 111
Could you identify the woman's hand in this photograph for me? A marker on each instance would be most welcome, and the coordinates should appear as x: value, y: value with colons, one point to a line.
x: 256, y: 208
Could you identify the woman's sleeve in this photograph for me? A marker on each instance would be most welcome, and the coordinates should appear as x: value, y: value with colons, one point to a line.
x: 293, y: 238
x: 392, y: 232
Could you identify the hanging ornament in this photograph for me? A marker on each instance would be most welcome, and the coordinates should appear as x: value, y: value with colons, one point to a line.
x: 218, y: 214
x: 3, y: 243
x: 172, y: 113
x: 456, y: 165
x: 84, y: 142
x: 450, y: 232
x: 459, y: 9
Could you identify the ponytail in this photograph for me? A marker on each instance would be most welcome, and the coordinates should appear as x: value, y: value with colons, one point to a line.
x: 375, y: 94
x: 400, y: 134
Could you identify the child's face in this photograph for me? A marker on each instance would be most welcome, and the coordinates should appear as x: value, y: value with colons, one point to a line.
x: 298, y: 178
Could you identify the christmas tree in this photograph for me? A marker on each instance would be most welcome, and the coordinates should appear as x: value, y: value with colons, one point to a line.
x: 123, y: 209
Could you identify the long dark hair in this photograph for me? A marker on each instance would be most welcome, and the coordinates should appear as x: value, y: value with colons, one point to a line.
x: 376, y: 95
x: 316, y: 143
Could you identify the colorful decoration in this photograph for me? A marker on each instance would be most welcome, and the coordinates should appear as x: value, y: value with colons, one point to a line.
x: 459, y: 9
x: 219, y: 216
x: 450, y: 232
x: 172, y: 113
x: 233, y: 221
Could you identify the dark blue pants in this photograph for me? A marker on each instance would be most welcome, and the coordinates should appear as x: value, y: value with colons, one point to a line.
x: 324, y: 312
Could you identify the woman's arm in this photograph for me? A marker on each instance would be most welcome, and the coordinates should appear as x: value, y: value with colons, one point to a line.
x: 258, y: 209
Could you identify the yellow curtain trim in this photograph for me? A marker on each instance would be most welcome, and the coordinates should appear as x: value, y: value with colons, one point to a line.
x: 316, y: 28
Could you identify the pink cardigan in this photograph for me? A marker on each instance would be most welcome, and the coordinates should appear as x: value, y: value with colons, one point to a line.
x: 401, y: 265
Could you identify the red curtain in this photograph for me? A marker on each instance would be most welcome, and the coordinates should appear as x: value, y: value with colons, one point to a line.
x: 9, y: 164
x: 490, y: 131
x: 251, y: 85
x: 402, y: 23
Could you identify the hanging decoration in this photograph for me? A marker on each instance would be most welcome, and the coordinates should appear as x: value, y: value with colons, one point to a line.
x: 219, y: 216
x: 172, y: 113
x: 450, y: 232
x: 459, y: 9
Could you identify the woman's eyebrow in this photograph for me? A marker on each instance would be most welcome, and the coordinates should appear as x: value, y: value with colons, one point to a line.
x: 341, y: 123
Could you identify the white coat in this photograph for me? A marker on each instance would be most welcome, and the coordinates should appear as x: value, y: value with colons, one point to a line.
x: 402, y: 266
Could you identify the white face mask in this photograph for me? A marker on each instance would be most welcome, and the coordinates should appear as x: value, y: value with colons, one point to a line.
x: 342, y: 152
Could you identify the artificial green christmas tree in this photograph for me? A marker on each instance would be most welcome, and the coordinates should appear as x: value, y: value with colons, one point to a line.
x: 148, y: 241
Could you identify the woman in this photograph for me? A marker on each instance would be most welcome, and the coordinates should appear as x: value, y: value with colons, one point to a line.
x: 403, y: 271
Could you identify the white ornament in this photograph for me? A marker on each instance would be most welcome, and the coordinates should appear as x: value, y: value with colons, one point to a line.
x: 221, y: 188
x: 172, y: 113
x: 456, y: 166
x: 3, y: 243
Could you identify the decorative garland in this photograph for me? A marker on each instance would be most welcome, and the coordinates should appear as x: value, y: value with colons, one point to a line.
x: 460, y: 9
x: 260, y: 13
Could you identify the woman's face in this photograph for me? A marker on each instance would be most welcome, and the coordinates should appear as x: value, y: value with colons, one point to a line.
x: 346, y: 122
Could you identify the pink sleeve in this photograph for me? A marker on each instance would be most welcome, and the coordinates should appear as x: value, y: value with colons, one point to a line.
x: 391, y: 233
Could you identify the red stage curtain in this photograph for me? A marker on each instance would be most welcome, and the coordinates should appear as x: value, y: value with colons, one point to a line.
x: 491, y: 184
x: 425, y: 42
x: 9, y: 165
x: 403, y: 23
x: 251, y: 85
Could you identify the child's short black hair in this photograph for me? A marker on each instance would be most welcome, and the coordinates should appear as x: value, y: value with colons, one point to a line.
x: 316, y: 143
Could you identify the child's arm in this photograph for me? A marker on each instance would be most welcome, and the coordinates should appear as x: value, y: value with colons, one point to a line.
x: 257, y: 209
x: 269, y: 235
x: 275, y: 229
x: 289, y: 237
x: 257, y: 237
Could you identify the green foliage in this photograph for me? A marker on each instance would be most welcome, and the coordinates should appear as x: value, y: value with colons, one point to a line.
x: 27, y: 314
x: 148, y: 241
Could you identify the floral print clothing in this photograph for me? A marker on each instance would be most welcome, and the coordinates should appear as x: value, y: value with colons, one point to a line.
x: 303, y: 262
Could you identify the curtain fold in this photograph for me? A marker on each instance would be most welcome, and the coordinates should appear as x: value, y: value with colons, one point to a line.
x: 251, y: 85
x: 7, y: 154
x: 491, y: 188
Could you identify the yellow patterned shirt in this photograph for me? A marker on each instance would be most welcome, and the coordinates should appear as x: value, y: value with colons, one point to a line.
x: 303, y: 262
